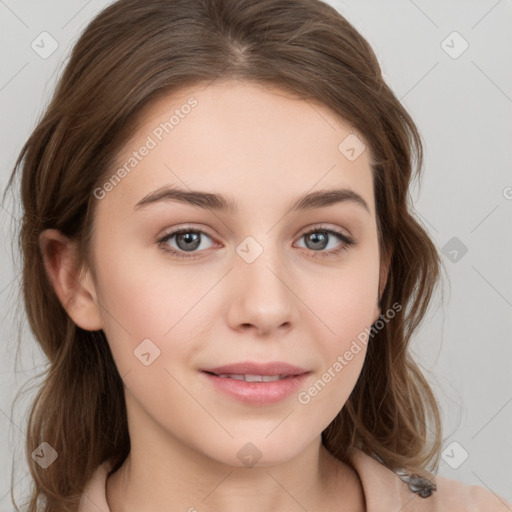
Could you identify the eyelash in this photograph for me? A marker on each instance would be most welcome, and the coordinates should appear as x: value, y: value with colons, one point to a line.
x: 347, y: 242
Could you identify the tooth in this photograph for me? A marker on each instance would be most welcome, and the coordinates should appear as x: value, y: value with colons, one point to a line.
x: 253, y: 378
x: 231, y: 376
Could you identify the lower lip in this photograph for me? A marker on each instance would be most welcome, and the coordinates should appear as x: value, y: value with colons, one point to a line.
x: 257, y: 393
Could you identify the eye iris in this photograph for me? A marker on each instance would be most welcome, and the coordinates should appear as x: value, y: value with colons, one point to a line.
x: 191, y: 240
x: 319, y: 238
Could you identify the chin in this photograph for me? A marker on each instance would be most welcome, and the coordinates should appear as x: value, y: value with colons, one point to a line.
x: 258, y: 451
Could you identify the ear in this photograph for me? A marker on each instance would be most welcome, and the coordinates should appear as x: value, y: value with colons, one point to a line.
x: 74, y: 288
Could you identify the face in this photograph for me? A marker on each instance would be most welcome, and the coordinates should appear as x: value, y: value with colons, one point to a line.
x: 245, y: 277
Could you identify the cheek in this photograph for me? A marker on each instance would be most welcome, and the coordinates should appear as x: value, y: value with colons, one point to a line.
x: 345, y: 308
x: 345, y: 299
x: 144, y: 298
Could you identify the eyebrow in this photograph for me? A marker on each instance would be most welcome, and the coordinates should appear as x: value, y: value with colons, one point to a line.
x: 220, y: 203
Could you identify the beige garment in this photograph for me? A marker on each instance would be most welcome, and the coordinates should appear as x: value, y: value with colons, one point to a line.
x: 384, y: 491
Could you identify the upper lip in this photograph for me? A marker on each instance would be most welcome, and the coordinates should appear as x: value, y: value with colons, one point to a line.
x: 251, y: 368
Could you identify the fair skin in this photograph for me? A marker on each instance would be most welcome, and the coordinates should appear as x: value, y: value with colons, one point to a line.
x: 264, y: 149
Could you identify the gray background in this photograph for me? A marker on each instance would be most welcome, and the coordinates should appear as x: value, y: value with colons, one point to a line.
x: 462, y: 104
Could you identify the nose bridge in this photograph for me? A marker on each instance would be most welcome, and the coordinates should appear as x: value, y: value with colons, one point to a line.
x: 259, y: 260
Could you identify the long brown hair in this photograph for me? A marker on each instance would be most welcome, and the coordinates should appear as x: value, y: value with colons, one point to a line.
x: 133, y: 52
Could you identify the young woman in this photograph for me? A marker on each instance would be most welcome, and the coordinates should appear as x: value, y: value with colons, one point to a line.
x: 221, y: 266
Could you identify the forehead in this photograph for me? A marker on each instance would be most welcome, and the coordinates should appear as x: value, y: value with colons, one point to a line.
x: 254, y: 143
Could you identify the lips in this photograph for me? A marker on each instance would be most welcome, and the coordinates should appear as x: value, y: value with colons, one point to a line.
x: 257, y: 384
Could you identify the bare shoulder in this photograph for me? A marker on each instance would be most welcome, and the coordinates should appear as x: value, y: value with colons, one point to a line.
x: 459, y: 497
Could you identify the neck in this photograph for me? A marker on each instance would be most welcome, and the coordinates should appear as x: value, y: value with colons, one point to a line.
x: 163, y: 474
x: 324, y: 484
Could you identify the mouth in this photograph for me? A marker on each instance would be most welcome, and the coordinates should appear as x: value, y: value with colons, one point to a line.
x: 251, y: 378
x: 276, y: 369
x: 257, y: 384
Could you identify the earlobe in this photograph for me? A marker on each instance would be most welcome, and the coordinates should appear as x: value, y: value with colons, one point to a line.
x: 75, y: 289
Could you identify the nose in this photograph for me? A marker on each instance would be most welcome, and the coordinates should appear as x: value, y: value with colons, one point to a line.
x: 262, y: 296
